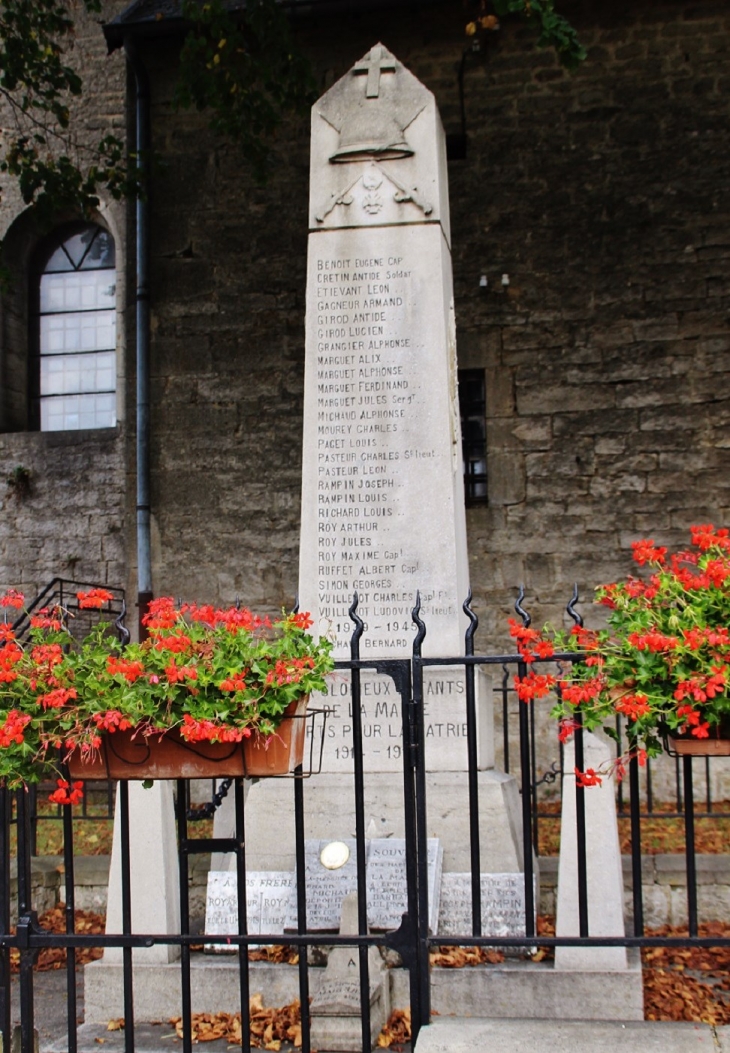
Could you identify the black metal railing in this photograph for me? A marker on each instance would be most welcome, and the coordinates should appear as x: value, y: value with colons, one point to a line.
x: 412, y: 940
x: 62, y: 593
x: 546, y: 771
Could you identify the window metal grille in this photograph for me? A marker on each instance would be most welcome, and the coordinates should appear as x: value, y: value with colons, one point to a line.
x: 473, y: 412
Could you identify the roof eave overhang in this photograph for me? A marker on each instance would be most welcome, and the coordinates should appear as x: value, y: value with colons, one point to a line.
x: 119, y: 29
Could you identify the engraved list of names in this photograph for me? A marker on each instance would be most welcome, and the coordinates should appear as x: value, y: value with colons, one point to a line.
x: 377, y: 471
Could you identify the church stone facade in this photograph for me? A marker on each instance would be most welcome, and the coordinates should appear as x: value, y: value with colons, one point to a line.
x: 595, y: 205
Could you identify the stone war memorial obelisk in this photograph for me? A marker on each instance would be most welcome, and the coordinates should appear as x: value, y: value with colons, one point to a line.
x: 382, y: 491
x: 382, y: 488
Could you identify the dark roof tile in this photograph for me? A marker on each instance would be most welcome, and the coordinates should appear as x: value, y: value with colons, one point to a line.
x: 148, y: 17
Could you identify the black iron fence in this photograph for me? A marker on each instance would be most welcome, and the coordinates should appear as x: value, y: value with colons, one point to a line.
x: 412, y: 940
x: 666, y: 804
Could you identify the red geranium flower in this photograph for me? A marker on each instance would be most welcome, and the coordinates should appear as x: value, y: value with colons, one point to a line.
x: 66, y: 794
x: 94, y: 598
x: 586, y: 778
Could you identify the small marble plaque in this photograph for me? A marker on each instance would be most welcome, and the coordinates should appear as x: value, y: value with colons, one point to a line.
x: 386, y: 882
x: 326, y: 888
x: 267, y: 900
x: 503, y: 905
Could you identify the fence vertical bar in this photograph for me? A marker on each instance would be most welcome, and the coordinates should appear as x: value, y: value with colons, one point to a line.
x: 186, y: 1006
x: 127, y: 973
x: 619, y: 752
x: 678, y: 785
x: 473, y: 760
x: 25, y: 922
x: 419, y: 757
x: 580, y: 815
x: 689, y: 846
x: 649, y: 788
x: 23, y: 854
x: 300, y: 862
x: 70, y: 919
x: 533, y: 780
x: 636, y: 860
x: 526, y: 781
x: 405, y: 689
x: 362, y: 902
x: 33, y: 801
x: 580, y: 811
x: 410, y: 805
x: 243, y: 977
x: 526, y: 796
x: 526, y: 778
x: 505, y: 717
x: 300, y: 834
x: 5, y: 982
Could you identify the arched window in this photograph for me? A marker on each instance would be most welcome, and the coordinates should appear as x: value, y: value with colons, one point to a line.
x: 73, y: 381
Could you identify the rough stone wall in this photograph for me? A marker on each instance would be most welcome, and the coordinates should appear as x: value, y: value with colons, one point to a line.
x: 227, y: 274
x: 602, y: 196
x: 71, y: 523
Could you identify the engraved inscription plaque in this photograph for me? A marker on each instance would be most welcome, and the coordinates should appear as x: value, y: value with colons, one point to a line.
x: 503, y: 905
x: 387, y: 882
x: 268, y: 895
x: 326, y: 888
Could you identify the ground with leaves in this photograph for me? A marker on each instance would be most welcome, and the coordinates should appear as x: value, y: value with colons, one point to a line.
x: 87, y: 923
x: 269, y: 1027
x: 680, y: 983
x: 661, y: 833
x: 688, y: 983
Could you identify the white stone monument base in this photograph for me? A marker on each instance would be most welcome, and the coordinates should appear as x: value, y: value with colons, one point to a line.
x: 330, y: 815
x: 531, y: 990
x: 342, y: 1033
x: 214, y: 985
x: 154, y: 879
x: 605, y: 884
x: 540, y: 991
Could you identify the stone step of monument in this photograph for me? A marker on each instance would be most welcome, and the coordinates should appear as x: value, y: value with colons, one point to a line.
x: 451, y: 1034
x: 541, y: 991
x: 460, y: 1035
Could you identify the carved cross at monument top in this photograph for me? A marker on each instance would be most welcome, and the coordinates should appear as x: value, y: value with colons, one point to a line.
x: 377, y: 61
